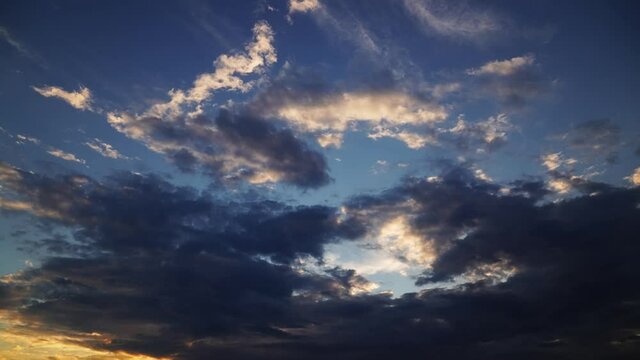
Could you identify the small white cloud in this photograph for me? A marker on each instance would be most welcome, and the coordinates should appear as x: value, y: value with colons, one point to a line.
x: 23, y: 139
x: 504, y: 67
x: 65, y: 155
x: 411, y: 139
x: 303, y: 6
x: 330, y: 139
x: 380, y: 167
x: 104, y: 149
x: 481, y: 175
x: 80, y: 99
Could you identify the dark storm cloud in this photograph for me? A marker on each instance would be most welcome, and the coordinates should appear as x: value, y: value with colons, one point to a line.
x: 574, y: 261
x: 132, y: 212
x: 155, y: 266
x: 175, y: 273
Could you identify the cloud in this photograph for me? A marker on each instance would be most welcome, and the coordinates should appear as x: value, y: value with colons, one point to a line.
x: 553, y: 161
x: 504, y: 67
x: 563, y: 176
x: 159, y: 270
x: 413, y: 140
x: 457, y: 21
x: 303, y: 6
x: 595, y: 138
x: 6, y: 36
x: 309, y: 106
x: 104, y: 149
x: 144, y: 247
x: 513, y: 82
x: 347, y: 28
x: 23, y: 139
x: 487, y: 135
x: 80, y: 99
x: 370, y: 42
x: 635, y: 177
x: 235, y: 145
x: 229, y: 68
x: 64, y: 155
x: 338, y: 111
x: 21, y: 47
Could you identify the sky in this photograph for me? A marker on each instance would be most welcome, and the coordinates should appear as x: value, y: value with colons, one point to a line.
x: 312, y: 179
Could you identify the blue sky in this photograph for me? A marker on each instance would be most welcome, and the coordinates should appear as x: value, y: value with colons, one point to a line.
x: 344, y: 106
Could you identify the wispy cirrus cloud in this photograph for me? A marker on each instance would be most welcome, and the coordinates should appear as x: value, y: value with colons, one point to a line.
x: 21, y: 48
x: 457, y: 20
x: 6, y: 36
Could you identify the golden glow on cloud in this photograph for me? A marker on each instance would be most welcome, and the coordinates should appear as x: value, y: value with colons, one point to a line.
x: 553, y: 161
x: 398, y: 237
x: 332, y: 116
x: 561, y: 186
x: 338, y: 112
x: 9, y: 174
x: 17, y: 205
x: 394, y: 247
x: 497, y: 272
x: 635, y: 177
x: 80, y: 99
x: 19, y: 340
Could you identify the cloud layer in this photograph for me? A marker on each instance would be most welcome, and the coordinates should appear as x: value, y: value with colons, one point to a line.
x: 165, y: 271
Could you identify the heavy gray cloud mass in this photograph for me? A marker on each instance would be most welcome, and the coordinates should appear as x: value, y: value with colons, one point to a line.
x: 163, y: 270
